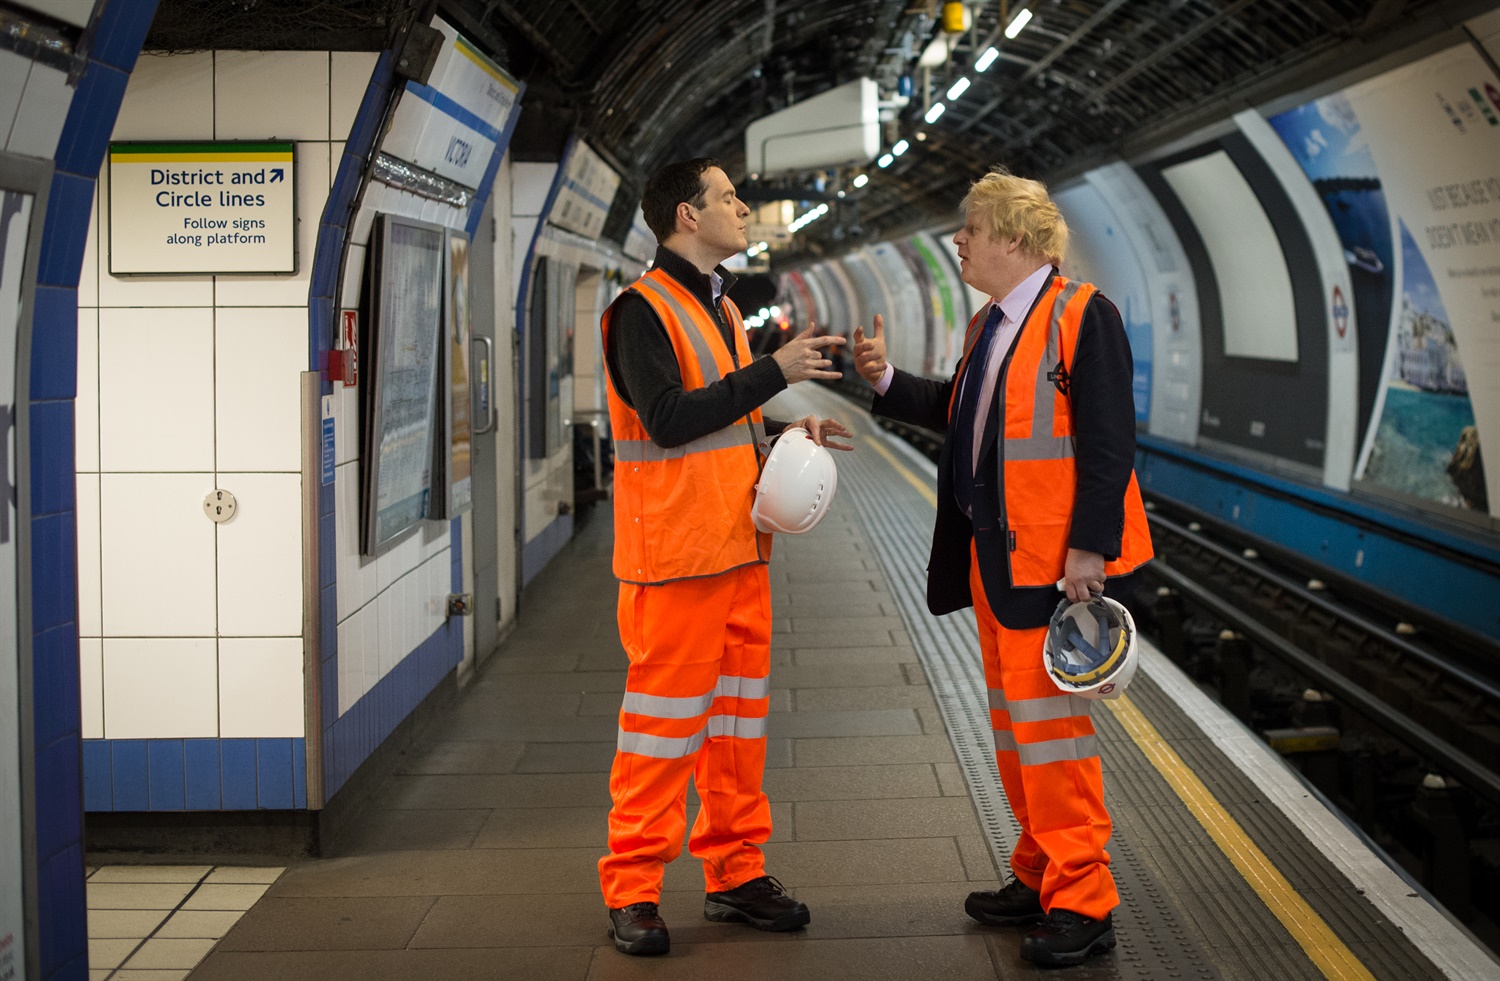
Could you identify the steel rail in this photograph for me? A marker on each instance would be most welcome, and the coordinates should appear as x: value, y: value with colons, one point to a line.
x: 1439, y: 751
x: 1384, y: 635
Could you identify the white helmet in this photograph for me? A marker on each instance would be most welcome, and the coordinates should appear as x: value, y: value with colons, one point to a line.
x: 796, y: 485
x: 1090, y: 648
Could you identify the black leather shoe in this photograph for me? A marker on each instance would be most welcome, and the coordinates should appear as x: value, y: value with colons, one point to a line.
x: 1014, y: 905
x: 762, y: 903
x: 638, y: 929
x: 1068, y: 938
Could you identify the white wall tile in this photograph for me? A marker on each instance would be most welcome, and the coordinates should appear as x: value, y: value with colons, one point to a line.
x: 530, y: 183
x: 13, y: 72
x: 386, y: 639
x: 169, y: 97
x: 260, y: 355
x: 264, y: 95
x: 371, y: 202
x: 88, y: 276
x: 143, y: 291
x: 158, y: 688
x: 354, y: 275
x: 350, y: 77
x: 346, y: 539
x: 359, y: 580
x: 260, y: 687
x: 260, y: 556
x: 156, y: 390
x: 400, y: 558
x: 91, y: 680
x: 312, y: 195
x: 86, y: 406
x: 90, y: 602
x: 43, y: 110
x: 351, y: 638
x: 157, y: 549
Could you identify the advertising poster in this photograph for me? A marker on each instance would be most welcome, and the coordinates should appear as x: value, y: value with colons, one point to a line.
x: 1408, y: 166
x: 15, y: 224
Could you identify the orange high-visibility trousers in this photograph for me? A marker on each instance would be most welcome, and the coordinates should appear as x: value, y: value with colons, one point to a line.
x: 696, y: 699
x: 1048, y: 757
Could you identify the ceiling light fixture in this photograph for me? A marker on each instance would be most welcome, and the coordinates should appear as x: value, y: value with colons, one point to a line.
x: 861, y: 180
x: 986, y: 60
x: 959, y: 88
x: 886, y: 160
x: 1018, y: 23
x: 937, y: 110
x: 900, y: 148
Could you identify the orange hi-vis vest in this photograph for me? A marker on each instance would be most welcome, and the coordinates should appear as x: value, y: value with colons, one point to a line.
x: 1038, y: 472
x: 684, y: 512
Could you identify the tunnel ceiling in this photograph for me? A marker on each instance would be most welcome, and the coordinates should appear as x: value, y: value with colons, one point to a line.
x: 650, y: 81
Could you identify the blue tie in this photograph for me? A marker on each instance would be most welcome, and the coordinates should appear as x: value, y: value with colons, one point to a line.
x: 966, y: 414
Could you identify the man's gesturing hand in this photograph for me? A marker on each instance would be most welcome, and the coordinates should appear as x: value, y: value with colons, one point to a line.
x: 821, y: 429
x: 802, y: 358
x: 869, y: 352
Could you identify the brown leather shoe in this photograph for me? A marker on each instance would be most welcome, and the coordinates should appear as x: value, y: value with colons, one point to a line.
x: 639, y: 929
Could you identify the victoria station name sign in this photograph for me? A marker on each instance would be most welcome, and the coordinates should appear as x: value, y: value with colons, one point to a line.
x: 191, y: 208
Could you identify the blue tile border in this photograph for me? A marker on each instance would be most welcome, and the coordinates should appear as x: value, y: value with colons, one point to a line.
x: 264, y: 774
x: 117, y: 33
x: 1337, y: 534
x: 350, y: 739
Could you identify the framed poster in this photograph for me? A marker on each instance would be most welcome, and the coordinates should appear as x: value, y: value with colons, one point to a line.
x: 453, y: 454
x: 400, y: 403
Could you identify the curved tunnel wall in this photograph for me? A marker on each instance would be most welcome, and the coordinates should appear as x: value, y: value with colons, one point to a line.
x: 1346, y: 418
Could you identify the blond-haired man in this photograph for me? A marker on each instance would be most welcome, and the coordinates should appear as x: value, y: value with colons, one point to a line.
x: 1035, y: 490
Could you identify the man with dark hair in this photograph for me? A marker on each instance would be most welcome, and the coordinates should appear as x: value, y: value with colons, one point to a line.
x: 695, y: 598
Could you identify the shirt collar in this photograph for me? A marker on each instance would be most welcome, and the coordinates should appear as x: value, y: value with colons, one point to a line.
x: 1019, y: 300
x: 704, y: 287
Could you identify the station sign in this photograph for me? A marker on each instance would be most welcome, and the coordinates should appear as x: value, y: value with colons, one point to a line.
x: 454, y: 125
x: 586, y: 188
x: 193, y: 208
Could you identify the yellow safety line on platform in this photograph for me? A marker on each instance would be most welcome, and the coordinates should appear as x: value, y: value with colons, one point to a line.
x: 1317, y: 940
x: 927, y: 492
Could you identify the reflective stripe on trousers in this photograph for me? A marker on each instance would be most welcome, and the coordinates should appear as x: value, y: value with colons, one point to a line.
x: 1047, y: 754
x: 695, y: 705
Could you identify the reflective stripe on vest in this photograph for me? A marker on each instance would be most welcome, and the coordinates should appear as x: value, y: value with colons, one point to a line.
x: 636, y: 450
x: 1041, y: 444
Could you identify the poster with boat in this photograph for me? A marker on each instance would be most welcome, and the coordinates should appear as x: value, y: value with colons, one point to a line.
x: 1408, y: 165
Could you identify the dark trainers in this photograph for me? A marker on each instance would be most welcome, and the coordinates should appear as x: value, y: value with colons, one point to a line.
x: 1068, y: 938
x: 1014, y: 905
x: 638, y: 929
x: 762, y: 903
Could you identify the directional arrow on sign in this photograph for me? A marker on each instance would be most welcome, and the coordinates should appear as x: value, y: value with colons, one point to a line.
x: 277, y: 174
